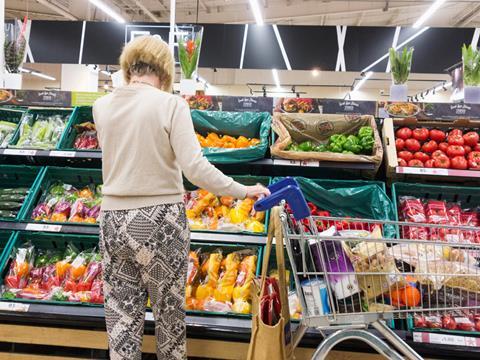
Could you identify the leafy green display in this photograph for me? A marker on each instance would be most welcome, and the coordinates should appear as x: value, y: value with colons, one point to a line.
x: 400, y: 64
x: 471, y: 65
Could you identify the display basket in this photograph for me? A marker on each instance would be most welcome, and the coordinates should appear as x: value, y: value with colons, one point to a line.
x: 11, y: 114
x: 5, y: 236
x: 80, y: 115
x: 347, y: 281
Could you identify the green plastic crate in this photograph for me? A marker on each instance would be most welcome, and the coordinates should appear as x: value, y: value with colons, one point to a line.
x: 44, y: 112
x: 5, y: 238
x: 73, y: 176
x: 46, y: 241
x: 245, y: 180
x: 80, y: 115
x: 20, y: 176
x: 227, y: 249
x: 11, y: 114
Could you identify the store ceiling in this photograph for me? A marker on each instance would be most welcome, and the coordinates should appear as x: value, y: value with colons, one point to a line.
x: 460, y: 13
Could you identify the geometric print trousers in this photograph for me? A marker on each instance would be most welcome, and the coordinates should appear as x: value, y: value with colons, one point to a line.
x: 145, y: 254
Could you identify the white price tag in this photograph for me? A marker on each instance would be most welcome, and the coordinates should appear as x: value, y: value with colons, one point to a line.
x: 149, y: 316
x: 445, y: 339
x: 43, y: 227
x: 422, y: 171
x: 307, y: 163
x: 62, y: 153
x: 23, y: 152
x: 11, y: 306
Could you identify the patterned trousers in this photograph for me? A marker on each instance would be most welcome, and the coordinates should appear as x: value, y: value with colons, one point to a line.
x: 145, y: 253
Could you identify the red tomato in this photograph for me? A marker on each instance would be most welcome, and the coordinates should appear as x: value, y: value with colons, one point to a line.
x: 421, y: 134
x: 430, y: 163
x: 477, y: 325
x: 442, y: 161
x: 438, y: 153
x: 430, y: 146
x: 415, y: 163
x: 459, y: 162
x: 474, y: 155
x: 421, y: 156
x: 399, y: 144
x: 437, y: 135
x: 455, y: 140
x: 405, y: 155
x: 455, y: 132
x: 455, y: 150
x: 448, y: 322
x: 468, y: 149
x: 471, y: 138
x: 402, y: 162
x: 443, y: 146
x: 404, y: 133
x: 412, y: 145
x: 474, y: 164
x: 477, y: 147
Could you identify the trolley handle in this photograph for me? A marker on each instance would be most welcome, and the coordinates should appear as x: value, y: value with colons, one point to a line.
x: 288, y: 190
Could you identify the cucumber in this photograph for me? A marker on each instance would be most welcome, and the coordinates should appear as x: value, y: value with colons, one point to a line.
x: 12, y: 197
x: 14, y: 191
x: 10, y: 205
x: 7, y: 214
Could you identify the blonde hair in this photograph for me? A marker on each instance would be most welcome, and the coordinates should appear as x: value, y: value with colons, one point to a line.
x: 148, y: 55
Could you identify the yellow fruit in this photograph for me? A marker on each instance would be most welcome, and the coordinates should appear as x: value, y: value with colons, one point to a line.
x: 242, y: 307
x: 197, y: 224
x: 255, y: 226
x: 237, y: 216
x: 204, y: 292
x: 259, y: 216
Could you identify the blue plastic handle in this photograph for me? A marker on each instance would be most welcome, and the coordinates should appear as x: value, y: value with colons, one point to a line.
x: 288, y: 190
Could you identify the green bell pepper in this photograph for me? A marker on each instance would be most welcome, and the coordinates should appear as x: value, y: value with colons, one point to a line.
x: 320, y: 148
x: 367, y: 143
x: 305, y: 146
x: 338, y: 139
x: 347, y: 152
x: 352, y: 144
x: 365, y: 131
x: 336, y: 148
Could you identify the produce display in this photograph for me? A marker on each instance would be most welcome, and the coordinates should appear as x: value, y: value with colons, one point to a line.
x: 362, y: 143
x: 434, y: 148
x: 213, y: 140
x: 42, y: 132
x: 86, y: 138
x: 404, y: 109
x: 65, y: 203
x: 206, y: 211
x: 458, y: 320
x: 11, y: 200
x: 70, y: 275
x: 199, y: 102
x: 7, y: 129
x: 220, y: 282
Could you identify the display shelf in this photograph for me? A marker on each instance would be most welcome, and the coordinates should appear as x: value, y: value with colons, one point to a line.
x: 445, y: 339
x: 52, y: 153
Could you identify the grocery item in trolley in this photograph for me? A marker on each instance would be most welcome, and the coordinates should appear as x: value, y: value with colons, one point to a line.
x: 315, y: 292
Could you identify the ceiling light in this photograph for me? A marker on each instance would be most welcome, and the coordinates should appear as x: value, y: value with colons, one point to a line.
x: 275, y: 78
x: 432, y: 9
x: 105, y: 72
x: 44, y: 76
x: 256, y: 12
x: 442, y: 86
x: 315, y: 72
x: 361, y: 82
x: 107, y: 10
x: 25, y: 70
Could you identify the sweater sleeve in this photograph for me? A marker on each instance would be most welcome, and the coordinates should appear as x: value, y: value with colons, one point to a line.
x: 195, y: 166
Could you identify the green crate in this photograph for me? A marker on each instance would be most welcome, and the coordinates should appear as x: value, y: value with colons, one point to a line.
x: 36, y: 112
x: 5, y: 238
x: 80, y: 115
x: 227, y: 249
x: 13, y: 115
x: 20, y: 176
x: 73, y: 176
x: 46, y: 241
x: 469, y: 197
x: 245, y: 180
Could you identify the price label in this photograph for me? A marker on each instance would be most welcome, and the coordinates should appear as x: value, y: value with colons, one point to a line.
x: 421, y: 171
x: 11, y: 306
x: 63, y: 153
x: 306, y: 163
x: 149, y: 316
x: 22, y: 152
x: 445, y: 339
x: 43, y: 227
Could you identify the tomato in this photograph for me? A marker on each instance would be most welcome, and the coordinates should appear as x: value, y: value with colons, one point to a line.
x: 442, y: 161
x: 468, y: 149
x: 477, y: 147
x: 415, y: 163
x: 459, y: 162
x: 421, y: 134
x: 404, y: 133
x: 443, y: 146
x: 402, y: 162
x: 433, y: 322
x: 438, y: 153
x: 464, y: 324
x: 405, y: 155
x: 420, y: 321
x: 471, y: 138
x: 430, y: 163
x: 421, y: 156
x: 455, y: 150
x: 412, y: 145
x: 477, y: 325
x: 448, y: 322
x: 455, y: 140
x: 430, y: 146
x: 399, y: 144
x: 474, y: 155
x: 437, y: 135
x: 457, y: 132
x: 474, y: 164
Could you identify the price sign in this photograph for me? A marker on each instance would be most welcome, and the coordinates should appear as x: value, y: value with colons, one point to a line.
x: 305, y: 163
x: 22, y: 152
x: 43, y: 227
x: 63, y: 153
x: 445, y: 339
x: 149, y: 316
x: 421, y: 171
x: 11, y: 306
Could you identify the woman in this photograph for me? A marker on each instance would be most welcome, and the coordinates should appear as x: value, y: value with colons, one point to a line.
x: 147, y: 138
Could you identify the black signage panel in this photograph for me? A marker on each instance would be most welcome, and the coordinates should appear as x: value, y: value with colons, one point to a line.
x: 329, y: 106
x: 36, y: 98
x: 445, y: 111
x: 257, y: 104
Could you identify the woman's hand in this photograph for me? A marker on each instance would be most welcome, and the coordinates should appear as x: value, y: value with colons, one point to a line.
x: 257, y: 191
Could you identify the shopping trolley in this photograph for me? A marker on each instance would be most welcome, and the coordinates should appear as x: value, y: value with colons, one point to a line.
x: 349, y: 276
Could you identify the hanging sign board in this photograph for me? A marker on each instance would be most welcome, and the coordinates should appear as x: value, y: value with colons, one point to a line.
x: 249, y: 103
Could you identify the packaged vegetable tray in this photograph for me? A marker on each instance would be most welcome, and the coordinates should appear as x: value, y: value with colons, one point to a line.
x: 17, y: 185
x: 324, y: 137
x: 9, y: 119
x: 66, y: 196
x: 234, y: 124
x: 52, y: 268
x: 80, y: 134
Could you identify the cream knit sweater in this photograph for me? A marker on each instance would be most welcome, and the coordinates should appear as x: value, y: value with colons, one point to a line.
x: 147, y: 140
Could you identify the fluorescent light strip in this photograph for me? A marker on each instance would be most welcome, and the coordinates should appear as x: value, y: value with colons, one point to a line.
x: 25, y: 70
x: 105, y: 72
x: 427, y: 14
x: 244, y: 45
x: 282, y: 48
x: 275, y: 78
x: 44, y: 76
x: 440, y: 87
x: 256, y: 12
x: 361, y: 82
x: 418, y: 33
x: 108, y: 10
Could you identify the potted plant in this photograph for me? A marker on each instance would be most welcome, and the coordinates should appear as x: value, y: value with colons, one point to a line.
x: 471, y: 74
x: 188, y: 55
x: 14, y: 51
x: 400, y: 65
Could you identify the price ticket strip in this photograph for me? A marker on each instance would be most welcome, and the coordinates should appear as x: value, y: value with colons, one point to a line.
x: 437, y: 172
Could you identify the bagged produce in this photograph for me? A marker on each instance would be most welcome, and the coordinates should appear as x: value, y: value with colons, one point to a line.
x: 86, y: 138
x: 20, y: 266
x: 7, y: 129
x: 41, y: 132
x: 11, y: 200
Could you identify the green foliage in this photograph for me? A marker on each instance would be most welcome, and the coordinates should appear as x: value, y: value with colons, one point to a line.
x: 400, y: 64
x: 188, y: 63
x: 471, y: 65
